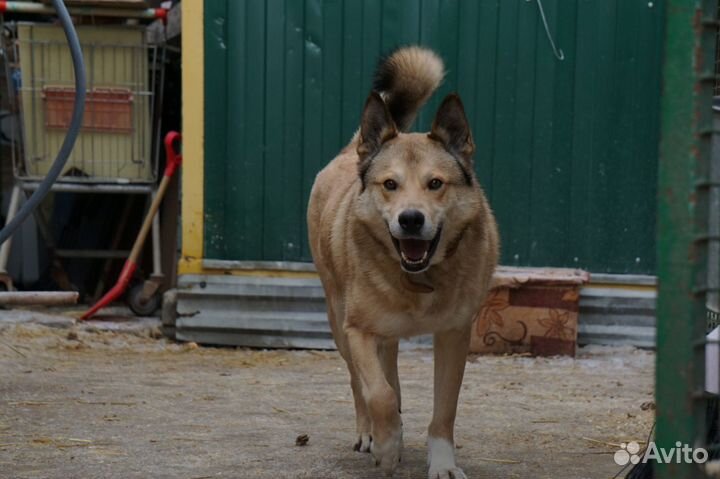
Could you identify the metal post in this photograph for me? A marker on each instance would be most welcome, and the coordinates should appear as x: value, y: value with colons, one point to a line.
x: 156, y: 252
x: 682, y: 227
x: 40, y: 9
x: 12, y: 210
x: 713, y: 296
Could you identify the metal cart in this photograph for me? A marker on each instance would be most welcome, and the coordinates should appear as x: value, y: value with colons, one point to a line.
x: 118, y: 148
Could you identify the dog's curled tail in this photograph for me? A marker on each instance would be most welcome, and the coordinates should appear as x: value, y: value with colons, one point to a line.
x: 406, y: 79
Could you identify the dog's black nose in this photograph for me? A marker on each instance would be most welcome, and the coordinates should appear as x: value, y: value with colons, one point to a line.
x: 411, y: 221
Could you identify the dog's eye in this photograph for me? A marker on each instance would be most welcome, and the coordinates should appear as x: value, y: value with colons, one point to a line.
x: 435, y: 184
x: 390, y: 185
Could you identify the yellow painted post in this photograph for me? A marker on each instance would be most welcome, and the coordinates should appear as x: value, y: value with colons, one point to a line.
x: 193, y: 111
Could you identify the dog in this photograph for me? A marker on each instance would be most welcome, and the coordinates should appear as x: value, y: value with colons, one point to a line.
x: 405, y: 243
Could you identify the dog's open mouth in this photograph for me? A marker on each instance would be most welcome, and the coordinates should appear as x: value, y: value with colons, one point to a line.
x: 415, y: 254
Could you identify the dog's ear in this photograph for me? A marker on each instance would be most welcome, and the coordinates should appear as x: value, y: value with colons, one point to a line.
x: 376, y: 127
x: 450, y: 127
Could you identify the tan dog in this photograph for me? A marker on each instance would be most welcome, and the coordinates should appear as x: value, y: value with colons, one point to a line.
x: 405, y: 244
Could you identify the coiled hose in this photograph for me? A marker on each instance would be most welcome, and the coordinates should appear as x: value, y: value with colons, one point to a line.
x: 73, y: 130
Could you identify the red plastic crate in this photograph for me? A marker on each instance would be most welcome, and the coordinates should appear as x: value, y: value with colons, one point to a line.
x: 106, y: 109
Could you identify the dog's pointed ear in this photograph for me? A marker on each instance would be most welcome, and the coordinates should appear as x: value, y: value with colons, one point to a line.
x: 450, y: 127
x: 376, y: 127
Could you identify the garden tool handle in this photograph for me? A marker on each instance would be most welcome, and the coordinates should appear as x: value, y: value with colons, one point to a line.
x: 173, y: 158
x: 173, y: 161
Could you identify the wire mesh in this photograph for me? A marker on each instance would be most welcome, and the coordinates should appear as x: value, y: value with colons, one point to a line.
x: 121, y: 120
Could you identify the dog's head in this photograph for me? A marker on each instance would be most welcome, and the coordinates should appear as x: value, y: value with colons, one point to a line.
x: 419, y: 192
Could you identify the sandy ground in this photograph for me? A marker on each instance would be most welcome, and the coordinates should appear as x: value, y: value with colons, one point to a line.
x: 91, y: 404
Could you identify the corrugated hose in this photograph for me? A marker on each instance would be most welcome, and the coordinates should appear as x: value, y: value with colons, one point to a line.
x: 73, y: 130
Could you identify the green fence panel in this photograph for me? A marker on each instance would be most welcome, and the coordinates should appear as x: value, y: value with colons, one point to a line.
x: 683, y: 234
x: 566, y: 150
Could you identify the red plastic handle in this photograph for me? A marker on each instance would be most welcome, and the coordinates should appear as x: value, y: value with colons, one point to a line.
x: 173, y: 158
x: 161, y: 14
x: 116, y: 291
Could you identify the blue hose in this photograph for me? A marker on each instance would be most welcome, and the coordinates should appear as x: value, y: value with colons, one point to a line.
x: 73, y: 130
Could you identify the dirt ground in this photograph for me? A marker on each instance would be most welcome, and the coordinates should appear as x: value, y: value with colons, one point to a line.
x: 103, y: 404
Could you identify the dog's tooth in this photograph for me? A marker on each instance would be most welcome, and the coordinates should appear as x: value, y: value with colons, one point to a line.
x: 410, y: 261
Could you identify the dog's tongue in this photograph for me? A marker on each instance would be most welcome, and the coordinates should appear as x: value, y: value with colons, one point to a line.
x: 414, y: 249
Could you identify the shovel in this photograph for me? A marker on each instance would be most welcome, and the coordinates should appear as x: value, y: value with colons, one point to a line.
x: 173, y: 162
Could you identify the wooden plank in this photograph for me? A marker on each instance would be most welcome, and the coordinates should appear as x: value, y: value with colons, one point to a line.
x: 45, y: 298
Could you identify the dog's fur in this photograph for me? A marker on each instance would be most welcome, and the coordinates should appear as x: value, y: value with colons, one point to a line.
x: 376, y: 295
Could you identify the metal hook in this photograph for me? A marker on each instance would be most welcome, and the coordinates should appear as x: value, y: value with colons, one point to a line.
x: 556, y: 51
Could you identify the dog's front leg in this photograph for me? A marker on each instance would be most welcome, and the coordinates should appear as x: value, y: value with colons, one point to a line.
x: 450, y: 348
x: 380, y: 397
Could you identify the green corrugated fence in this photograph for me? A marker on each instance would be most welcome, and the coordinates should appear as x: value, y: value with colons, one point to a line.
x: 567, y: 150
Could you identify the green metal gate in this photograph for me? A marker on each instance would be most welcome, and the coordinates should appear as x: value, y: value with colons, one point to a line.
x: 567, y: 150
x: 686, y: 179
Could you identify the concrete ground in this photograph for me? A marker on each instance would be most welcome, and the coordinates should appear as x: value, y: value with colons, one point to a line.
x: 102, y: 401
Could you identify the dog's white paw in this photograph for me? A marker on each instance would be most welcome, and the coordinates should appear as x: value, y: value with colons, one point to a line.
x: 387, y: 454
x: 452, y: 473
x: 363, y: 442
x: 441, y: 457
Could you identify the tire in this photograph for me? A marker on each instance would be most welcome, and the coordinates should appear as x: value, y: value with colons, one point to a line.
x: 138, y: 307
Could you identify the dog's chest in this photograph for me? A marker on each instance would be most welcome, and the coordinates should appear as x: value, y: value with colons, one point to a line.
x: 426, y: 314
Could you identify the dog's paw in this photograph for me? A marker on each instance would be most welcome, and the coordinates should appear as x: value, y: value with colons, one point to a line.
x: 363, y: 442
x: 446, y: 473
x: 441, y: 458
x: 387, y: 454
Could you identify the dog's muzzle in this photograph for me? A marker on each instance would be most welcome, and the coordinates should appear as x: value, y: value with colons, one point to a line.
x: 415, y: 254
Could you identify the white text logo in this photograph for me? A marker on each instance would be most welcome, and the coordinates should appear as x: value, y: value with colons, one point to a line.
x: 680, y: 454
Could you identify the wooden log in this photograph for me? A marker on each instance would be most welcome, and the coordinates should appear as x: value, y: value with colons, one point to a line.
x: 43, y: 298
